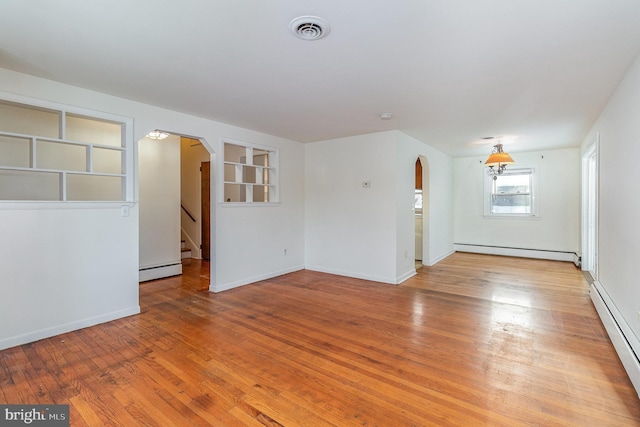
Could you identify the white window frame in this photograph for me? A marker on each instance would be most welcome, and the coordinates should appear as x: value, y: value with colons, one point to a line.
x: 533, y: 190
x: 272, y: 169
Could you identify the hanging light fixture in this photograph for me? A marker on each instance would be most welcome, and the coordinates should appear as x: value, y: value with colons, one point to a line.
x: 157, y: 134
x: 498, y: 161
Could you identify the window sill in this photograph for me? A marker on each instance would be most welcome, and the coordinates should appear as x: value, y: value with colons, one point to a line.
x: 511, y: 216
x: 56, y: 204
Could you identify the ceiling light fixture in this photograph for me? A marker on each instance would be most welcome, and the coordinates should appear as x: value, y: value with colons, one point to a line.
x: 309, y: 28
x: 385, y: 116
x: 157, y: 134
x: 498, y: 161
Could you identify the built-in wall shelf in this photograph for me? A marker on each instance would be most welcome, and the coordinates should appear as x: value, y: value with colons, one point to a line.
x: 49, y: 154
x: 250, y: 174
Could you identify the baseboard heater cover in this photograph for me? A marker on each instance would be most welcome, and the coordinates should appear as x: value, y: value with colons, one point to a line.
x: 159, y: 271
x: 518, y: 252
x: 620, y: 339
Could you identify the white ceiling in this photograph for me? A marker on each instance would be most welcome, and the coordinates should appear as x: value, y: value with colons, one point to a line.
x: 450, y: 71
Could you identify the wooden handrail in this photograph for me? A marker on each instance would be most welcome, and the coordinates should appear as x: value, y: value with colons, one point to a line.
x: 187, y: 212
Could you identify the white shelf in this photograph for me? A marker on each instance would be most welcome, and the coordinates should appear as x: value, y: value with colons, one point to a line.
x: 39, y: 167
x: 250, y: 174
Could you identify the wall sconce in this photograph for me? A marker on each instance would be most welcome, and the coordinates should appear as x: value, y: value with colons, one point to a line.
x: 498, y: 161
x: 156, y: 134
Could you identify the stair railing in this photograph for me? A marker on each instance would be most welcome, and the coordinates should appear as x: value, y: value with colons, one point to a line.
x: 187, y: 212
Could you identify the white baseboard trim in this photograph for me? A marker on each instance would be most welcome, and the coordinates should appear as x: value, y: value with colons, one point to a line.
x: 624, y: 340
x: 516, y: 252
x: 226, y: 286
x: 66, y: 327
x: 434, y: 261
x: 389, y: 280
x: 409, y: 274
x: 159, y: 272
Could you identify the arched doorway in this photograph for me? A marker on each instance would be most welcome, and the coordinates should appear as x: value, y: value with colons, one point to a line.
x: 421, y: 211
x: 171, y: 203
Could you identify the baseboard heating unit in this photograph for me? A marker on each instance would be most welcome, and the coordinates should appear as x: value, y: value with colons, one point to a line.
x: 624, y: 340
x: 159, y: 271
x: 518, y: 252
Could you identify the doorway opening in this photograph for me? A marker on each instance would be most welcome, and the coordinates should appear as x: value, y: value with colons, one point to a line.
x: 421, y: 212
x: 590, y: 210
x: 195, y: 199
x: 175, y: 199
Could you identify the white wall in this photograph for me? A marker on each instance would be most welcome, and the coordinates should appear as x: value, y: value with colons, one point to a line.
x: 619, y: 198
x: 437, y: 184
x: 251, y: 240
x: 350, y: 230
x: 159, y: 199
x: 369, y: 232
x: 192, y: 154
x: 64, y: 266
x: 248, y: 242
x: 619, y: 204
x: 557, y: 228
x: 63, y: 269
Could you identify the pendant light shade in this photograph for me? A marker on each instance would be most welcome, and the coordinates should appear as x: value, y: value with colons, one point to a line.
x: 498, y: 161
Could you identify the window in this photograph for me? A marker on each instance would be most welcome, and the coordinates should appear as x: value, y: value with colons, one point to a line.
x: 511, y: 193
x: 52, y: 153
x: 418, y: 201
x: 250, y: 173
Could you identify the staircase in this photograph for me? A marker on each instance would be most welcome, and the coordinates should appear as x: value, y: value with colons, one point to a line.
x: 185, y: 252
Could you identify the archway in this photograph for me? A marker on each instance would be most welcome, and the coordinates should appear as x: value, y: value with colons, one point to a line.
x: 422, y: 211
x: 170, y: 204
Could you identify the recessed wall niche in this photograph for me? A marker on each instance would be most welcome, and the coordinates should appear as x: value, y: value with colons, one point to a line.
x: 54, y: 155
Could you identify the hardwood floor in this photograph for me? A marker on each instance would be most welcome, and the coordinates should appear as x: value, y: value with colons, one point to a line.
x: 475, y: 340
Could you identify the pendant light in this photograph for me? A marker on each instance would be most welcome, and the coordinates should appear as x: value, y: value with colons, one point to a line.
x: 498, y: 161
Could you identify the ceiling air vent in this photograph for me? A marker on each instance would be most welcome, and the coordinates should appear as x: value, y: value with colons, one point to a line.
x: 309, y: 28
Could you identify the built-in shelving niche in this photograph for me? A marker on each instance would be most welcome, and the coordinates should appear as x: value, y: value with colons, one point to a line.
x: 250, y: 174
x: 55, y: 155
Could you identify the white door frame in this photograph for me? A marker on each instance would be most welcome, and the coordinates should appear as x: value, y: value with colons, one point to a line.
x: 590, y: 205
x: 426, y: 206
